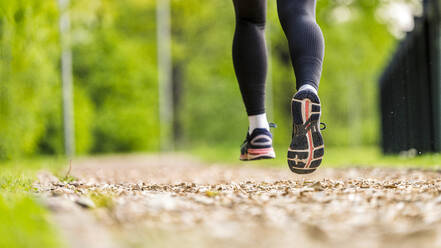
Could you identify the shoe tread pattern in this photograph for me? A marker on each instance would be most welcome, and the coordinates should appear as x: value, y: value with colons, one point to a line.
x: 303, y: 159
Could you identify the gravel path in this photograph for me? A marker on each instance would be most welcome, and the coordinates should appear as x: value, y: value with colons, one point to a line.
x: 176, y: 201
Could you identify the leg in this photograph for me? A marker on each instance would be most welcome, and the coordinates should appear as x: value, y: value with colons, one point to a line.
x: 250, y: 64
x: 250, y: 54
x: 306, y: 45
x: 305, y: 38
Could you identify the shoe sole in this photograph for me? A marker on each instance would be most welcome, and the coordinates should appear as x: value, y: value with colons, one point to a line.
x: 306, y: 151
x: 257, y: 154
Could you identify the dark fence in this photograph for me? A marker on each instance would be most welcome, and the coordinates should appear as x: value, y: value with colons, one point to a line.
x: 411, y: 87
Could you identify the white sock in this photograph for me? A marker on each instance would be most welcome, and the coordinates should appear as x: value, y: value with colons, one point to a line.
x: 257, y: 121
x: 308, y: 87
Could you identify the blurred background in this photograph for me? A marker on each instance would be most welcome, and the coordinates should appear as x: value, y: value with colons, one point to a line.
x: 155, y: 79
x: 117, y: 82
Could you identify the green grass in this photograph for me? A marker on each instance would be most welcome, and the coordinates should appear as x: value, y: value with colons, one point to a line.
x: 18, y: 175
x: 24, y: 222
x: 335, y: 157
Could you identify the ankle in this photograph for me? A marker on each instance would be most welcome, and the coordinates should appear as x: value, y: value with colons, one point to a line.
x: 257, y: 121
x: 308, y: 87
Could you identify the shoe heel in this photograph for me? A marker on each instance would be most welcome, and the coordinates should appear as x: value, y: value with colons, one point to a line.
x: 306, y: 151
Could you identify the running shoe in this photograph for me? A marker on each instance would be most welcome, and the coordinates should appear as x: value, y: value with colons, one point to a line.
x: 306, y: 151
x: 258, y: 145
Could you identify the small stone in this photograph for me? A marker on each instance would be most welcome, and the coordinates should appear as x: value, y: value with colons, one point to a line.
x: 85, y: 202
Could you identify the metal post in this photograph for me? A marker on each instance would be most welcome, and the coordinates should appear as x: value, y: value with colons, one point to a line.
x: 433, y: 11
x: 164, y: 74
x: 66, y: 78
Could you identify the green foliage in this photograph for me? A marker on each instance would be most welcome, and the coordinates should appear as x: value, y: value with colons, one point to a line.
x: 25, y: 223
x: 357, y: 47
x: 211, y: 101
x: 84, y: 114
x: 26, y: 75
x: 357, y: 50
x: 114, y: 65
x: 115, y: 75
x: 17, y: 176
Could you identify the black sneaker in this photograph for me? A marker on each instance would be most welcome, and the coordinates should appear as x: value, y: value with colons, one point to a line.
x: 307, y: 148
x: 258, y: 145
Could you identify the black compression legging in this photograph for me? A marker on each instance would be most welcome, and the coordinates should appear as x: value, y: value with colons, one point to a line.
x: 305, y: 41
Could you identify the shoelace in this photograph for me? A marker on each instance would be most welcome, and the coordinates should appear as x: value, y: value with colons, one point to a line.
x: 324, y: 126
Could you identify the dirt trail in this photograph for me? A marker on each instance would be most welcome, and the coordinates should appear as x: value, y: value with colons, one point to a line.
x: 176, y: 201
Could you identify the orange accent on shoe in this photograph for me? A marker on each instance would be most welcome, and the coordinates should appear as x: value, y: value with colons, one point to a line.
x: 259, y: 151
x: 311, y: 148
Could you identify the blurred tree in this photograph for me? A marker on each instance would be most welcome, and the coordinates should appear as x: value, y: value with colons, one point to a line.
x: 357, y: 46
x: 27, y: 76
x: 211, y: 109
x: 114, y: 63
x: 115, y: 75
